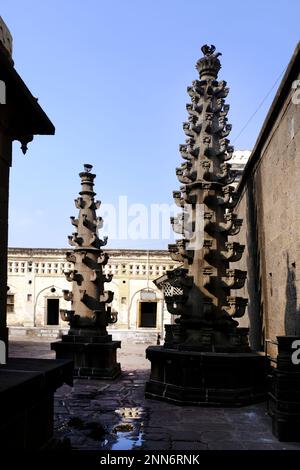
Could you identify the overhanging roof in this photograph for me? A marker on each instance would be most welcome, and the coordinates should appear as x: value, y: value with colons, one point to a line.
x: 22, y: 115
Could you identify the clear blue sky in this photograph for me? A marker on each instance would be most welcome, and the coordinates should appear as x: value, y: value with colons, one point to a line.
x: 112, y: 77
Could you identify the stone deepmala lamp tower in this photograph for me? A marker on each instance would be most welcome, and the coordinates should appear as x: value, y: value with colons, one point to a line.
x: 206, y: 358
x: 87, y: 342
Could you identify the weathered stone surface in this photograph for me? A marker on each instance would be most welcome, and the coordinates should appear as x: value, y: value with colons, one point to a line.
x: 152, y: 421
x: 269, y: 203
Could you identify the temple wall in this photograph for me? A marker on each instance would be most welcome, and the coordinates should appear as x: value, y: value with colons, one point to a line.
x: 269, y: 205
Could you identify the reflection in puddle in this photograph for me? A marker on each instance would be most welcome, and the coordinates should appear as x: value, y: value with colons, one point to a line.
x: 124, y: 427
x: 126, y: 442
x: 131, y: 413
x: 128, y: 431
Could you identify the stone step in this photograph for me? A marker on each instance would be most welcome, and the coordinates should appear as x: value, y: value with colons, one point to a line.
x: 135, y: 336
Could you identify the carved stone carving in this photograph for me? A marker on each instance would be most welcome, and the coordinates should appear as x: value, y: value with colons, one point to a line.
x: 87, y: 275
x: 203, y: 359
x: 88, y: 342
x: 206, y: 177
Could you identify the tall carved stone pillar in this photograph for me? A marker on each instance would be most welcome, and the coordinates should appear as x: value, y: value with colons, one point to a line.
x: 88, y: 343
x: 206, y: 358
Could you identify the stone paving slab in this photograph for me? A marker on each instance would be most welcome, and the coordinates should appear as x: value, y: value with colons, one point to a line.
x: 98, y: 414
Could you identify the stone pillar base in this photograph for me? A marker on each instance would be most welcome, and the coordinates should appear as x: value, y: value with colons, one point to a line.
x: 206, y: 378
x: 95, y: 357
x: 284, y: 397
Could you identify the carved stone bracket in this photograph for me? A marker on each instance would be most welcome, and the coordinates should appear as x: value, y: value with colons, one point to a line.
x: 236, y: 306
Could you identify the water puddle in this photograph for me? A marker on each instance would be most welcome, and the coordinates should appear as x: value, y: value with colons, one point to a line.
x: 127, y: 442
x: 128, y: 432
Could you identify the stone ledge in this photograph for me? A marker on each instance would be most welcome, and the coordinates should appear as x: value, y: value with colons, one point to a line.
x: 26, y: 400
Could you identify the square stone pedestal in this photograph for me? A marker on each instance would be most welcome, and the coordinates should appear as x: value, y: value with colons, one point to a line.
x: 284, y: 397
x: 206, y: 378
x: 95, y: 357
x: 27, y: 387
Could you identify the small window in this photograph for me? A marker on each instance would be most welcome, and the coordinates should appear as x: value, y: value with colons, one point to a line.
x: 29, y: 297
x: 123, y: 300
x: 10, y: 304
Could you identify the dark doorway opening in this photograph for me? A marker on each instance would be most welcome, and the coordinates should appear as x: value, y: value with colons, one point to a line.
x: 148, y: 314
x: 52, y: 311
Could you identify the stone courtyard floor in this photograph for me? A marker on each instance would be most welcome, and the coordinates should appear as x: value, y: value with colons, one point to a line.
x: 107, y: 415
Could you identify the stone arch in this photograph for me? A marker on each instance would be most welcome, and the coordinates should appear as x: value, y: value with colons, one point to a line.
x: 38, y: 298
x: 11, y: 288
x: 156, y: 291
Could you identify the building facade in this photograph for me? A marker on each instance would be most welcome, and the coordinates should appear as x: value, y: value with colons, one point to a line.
x: 238, y: 162
x: 36, y: 282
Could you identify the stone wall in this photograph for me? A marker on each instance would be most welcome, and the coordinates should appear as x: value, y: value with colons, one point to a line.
x: 269, y: 205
